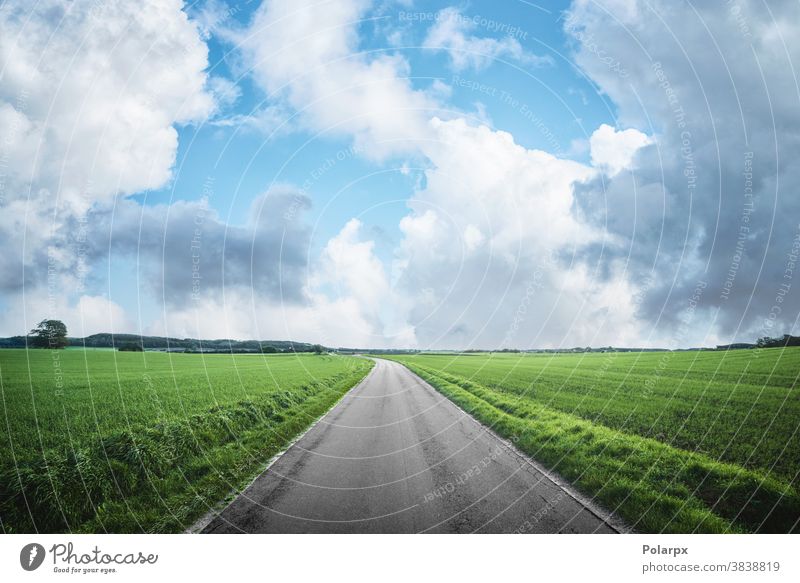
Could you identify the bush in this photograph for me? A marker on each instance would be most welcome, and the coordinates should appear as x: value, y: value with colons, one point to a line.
x: 131, y: 347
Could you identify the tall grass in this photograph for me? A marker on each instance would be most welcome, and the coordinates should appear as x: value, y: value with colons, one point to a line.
x: 740, y: 406
x: 154, y: 455
x: 654, y: 485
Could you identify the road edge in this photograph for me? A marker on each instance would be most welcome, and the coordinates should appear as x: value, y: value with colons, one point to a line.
x: 202, y: 522
x: 608, y: 517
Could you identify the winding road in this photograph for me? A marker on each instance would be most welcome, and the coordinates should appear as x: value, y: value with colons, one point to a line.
x: 396, y: 456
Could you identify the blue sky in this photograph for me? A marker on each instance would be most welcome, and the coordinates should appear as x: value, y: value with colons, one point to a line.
x: 511, y: 96
x: 250, y: 162
x: 399, y: 173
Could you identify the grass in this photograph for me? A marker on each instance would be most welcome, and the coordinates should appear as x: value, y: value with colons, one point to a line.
x: 96, y: 441
x: 672, y: 441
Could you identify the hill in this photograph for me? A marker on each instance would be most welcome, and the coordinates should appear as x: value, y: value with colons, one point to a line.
x: 107, y: 340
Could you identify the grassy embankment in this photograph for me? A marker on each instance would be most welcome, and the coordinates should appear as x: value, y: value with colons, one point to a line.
x: 97, y: 441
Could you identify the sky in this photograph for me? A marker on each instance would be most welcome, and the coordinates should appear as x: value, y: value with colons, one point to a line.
x: 399, y: 173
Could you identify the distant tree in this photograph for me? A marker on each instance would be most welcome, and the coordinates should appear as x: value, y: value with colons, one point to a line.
x: 131, y: 347
x: 50, y: 334
x: 318, y: 349
x: 268, y: 349
x: 785, y: 340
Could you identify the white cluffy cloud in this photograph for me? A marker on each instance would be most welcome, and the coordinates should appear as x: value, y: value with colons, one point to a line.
x: 613, y: 151
x: 451, y: 32
x: 491, y: 213
x: 89, y: 314
x: 96, y: 93
x: 89, y: 100
x: 488, y: 258
x: 502, y: 245
x: 306, y: 53
x: 489, y: 251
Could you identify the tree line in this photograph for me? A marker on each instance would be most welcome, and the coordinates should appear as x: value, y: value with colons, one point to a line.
x: 53, y: 334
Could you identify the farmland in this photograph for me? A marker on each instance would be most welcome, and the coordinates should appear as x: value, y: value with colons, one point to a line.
x: 672, y: 441
x: 96, y: 440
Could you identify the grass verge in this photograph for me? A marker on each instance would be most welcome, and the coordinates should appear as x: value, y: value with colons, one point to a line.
x: 161, y: 477
x: 654, y: 487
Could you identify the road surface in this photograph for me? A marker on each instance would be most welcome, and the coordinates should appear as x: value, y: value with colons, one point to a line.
x: 396, y: 456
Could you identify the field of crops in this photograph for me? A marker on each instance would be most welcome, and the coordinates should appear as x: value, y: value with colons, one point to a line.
x: 127, y: 442
x: 672, y: 441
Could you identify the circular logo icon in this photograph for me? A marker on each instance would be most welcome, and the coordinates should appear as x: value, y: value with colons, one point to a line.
x: 31, y: 556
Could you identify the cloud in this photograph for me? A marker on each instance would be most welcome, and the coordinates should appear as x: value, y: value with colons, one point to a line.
x: 95, y: 314
x: 473, y: 238
x: 710, y: 202
x: 352, y: 263
x: 472, y: 165
x: 118, y: 80
x: 613, y: 151
x: 89, y: 100
x: 104, y: 86
x: 86, y: 316
x: 225, y: 92
x: 213, y: 16
x: 502, y: 245
x: 238, y: 314
x: 345, y: 301
x: 491, y: 249
x: 257, y: 277
x: 272, y: 120
x: 187, y: 262
x: 186, y: 251
x: 305, y: 54
x: 351, y: 270
x: 451, y: 31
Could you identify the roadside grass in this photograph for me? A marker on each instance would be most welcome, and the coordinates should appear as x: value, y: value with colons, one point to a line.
x: 740, y: 406
x: 652, y: 484
x: 148, y: 442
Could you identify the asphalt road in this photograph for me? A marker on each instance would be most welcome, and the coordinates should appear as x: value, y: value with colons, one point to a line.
x: 396, y: 456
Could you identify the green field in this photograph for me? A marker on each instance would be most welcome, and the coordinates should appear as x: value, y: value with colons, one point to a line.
x: 95, y: 440
x: 672, y: 441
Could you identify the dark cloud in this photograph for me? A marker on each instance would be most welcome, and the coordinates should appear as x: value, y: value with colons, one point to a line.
x: 186, y: 251
x: 715, y: 83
